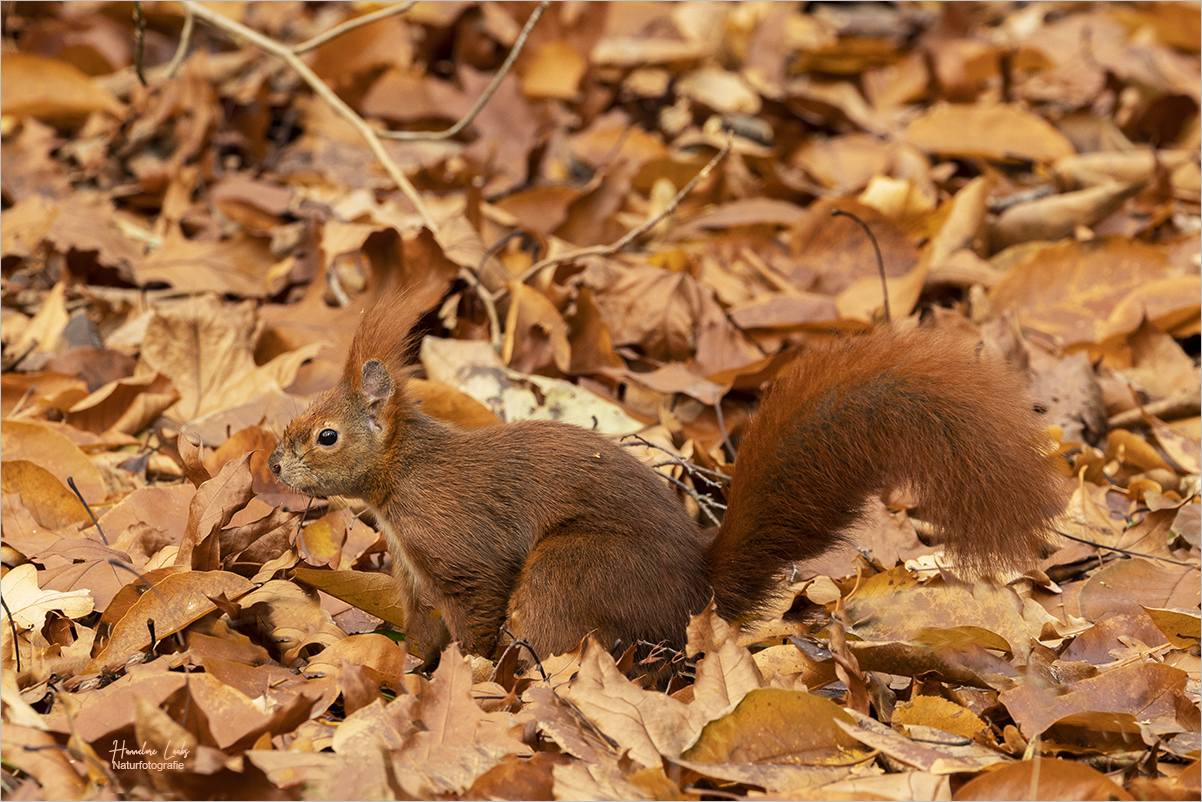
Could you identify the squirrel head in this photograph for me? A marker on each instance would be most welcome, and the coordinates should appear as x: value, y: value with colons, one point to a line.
x: 345, y: 442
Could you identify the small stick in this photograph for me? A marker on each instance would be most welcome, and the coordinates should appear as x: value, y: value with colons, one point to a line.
x: 92, y: 515
x: 632, y: 235
x: 880, y: 261
x: 704, y: 503
x: 730, y: 448
x: 520, y: 642
x: 350, y: 25
x: 715, y: 478
x: 285, y: 54
x: 139, y: 41
x: 490, y: 307
x: 13, y: 626
x: 1127, y: 552
x: 1180, y: 404
x: 185, y: 39
x: 668, y: 462
x: 466, y: 120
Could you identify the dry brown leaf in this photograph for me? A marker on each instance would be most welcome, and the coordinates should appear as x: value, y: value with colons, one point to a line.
x: 540, y: 209
x: 28, y: 605
x: 1097, y: 644
x: 536, y: 335
x: 943, y: 714
x: 214, y: 505
x: 555, y: 70
x: 44, y: 331
x: 50, y: 503
x: 1002, y: 133
x: 1127, y: 695
x: 125, y: 406
x: 991, y: 612
x: 174, y: 603
x: 761, y: 729
x: 408, y: 96
x: 1083, y: 293
x: 935, y: 751
x: 89, y: 222
x: 1181, y: 627
x: 375, y: 593
x: 1059, y: 216
x: 207, y: 347
x: 844, y: 164
x: 719, y: 90
x: 1045, y: 778
x: 37, y: 754
x: 51, y: 89
x: 55, y: 453
x: 444, y: 402
x: 237, y: 265
x: 1126, y: 586
x: 645, y: 723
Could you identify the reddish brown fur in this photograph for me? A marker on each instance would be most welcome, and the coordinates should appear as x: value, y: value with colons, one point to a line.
x: 868, y: 414
x: 553, y: 533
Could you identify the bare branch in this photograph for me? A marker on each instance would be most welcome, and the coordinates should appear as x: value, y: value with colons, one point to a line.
x: 185, y: 39
x: 490, y: 308
x: 704, y: 503
x: 139, y: 42
x: 466, y: 120
x: 350, y: 25
x: 285, y: 54
x: 710, y: 477
x: 880, y: 260
x: 1117, y: 550
x: 630, y: 236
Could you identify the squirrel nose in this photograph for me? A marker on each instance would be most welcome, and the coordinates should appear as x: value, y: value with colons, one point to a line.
x: 273, y: 461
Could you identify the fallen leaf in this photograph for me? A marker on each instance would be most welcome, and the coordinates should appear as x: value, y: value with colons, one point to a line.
x: 50, y: 89
x: 54, y: 453
x: 172, y: 604
x: 1002, y: 133
x: 28, y: 605
x: 761, y: 730
x: 1181, y: 627
x: 1046, y: 778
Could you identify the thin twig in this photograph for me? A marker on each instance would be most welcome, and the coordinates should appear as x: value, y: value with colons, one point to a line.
x: 880, y: 260
x: 350, y: 25
x: 632, y: 235
x: 1127, y: 552
x: 704, y: 503
x: 490, y: 307
x: 730, y: 447
x: 285, y: 54
x: 714, y: 478
x: 185, y: 39
x: 86, y: 506
x: 466, y: 120
x: 515, y: 642
x: 139, y: 42
x: 12, y: 625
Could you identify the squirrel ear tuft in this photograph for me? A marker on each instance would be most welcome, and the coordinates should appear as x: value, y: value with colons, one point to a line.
x: 377, y: 388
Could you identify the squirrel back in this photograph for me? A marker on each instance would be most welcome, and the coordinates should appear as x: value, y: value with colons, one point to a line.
x: 547, y: 532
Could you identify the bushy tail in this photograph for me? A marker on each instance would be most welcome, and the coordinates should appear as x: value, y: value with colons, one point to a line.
x: 922, y: 409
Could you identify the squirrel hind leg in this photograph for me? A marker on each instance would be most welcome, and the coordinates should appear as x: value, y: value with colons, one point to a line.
x: 578, y: 582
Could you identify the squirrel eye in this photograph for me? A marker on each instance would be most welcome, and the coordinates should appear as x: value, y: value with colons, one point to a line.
x: 327, y: 437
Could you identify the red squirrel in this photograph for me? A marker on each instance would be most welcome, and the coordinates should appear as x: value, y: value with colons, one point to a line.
x: 547, y: 532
